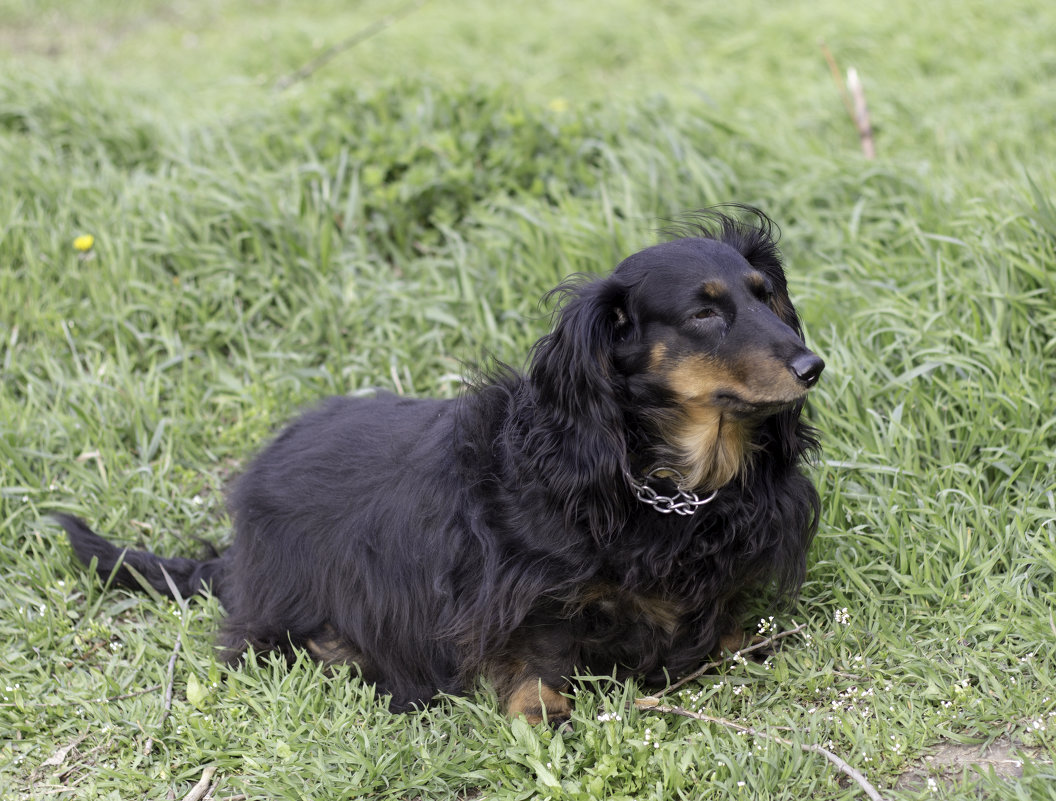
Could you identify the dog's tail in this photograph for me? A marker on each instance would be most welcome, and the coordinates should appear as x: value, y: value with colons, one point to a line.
x: 188, y: 576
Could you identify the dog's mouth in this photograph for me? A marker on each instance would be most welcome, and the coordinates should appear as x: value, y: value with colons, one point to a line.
x: 748, y: 408
x: 750, y: 389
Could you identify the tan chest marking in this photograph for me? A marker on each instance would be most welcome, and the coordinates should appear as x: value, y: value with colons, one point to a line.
x: 707, y: 445
x: 655, y: 612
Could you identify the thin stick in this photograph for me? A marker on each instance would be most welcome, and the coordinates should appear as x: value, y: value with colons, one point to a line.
x: 359, y: 36
x: 202, y: 787
x: 650, y: 704
x: 68, y: 770
x: 696, y: 674
x: 853, y: 95
x: 108, y: 699
x: 144, y: 691
x: 59, y: 756
x: 837, y: 78
x: 168, y: 691
x: 861, y: 113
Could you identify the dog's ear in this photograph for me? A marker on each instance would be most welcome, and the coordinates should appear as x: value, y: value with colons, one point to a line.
x: 571, y: 367
x: 577, y: 392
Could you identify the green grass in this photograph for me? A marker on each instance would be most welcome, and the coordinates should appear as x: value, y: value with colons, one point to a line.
x: 398, y: 215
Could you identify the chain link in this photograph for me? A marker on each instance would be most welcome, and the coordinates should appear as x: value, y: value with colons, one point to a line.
x: 683, y: 503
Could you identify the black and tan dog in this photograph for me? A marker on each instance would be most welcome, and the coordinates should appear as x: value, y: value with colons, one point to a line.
x: 615, y: 507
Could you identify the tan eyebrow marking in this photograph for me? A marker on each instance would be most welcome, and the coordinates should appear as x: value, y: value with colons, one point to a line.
x: 756, y: 281
x: 713, y: 289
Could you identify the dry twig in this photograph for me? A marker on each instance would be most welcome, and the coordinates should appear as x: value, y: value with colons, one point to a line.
x: 59, y: 756
x: 696, y: 674
x: 202, y: 787
x: 652, y: 704
x: 837, y: 78
x: 853, y: 95
x: 861, y: 113
x: 106, y: 700
x: 333, y: 51
x: 170, y: 676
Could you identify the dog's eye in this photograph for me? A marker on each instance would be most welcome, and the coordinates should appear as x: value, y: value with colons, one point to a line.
x: 763, y: 293
x: 705, y: 314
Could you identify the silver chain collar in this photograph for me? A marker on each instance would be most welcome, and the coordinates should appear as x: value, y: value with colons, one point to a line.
x: 683, y: 503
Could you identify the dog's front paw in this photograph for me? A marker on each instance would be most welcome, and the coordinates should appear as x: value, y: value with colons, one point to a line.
x: 735, y: 641
x: 537, y: 702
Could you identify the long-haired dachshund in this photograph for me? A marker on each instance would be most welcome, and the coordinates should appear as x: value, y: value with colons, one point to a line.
x: 616, y: 507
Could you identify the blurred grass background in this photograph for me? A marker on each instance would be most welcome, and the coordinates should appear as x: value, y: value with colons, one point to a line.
x: 399, y: 214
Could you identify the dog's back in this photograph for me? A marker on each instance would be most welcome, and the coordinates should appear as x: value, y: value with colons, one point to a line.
x: 618, y: 506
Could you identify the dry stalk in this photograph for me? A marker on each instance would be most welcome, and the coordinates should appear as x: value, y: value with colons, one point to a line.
x: 853, y: 95
x: 333, y: 51
x: 861, y: 113
x: 202, y: 787
x: 696, y: 674
x: 652, y: 704
x: 170, y: 676
x: 56, y: 759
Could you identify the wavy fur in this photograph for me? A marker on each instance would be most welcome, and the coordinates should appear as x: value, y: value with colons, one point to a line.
x: 433, y: 542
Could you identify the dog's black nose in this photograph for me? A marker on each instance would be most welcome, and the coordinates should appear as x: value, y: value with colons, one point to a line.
x: 807, y: 368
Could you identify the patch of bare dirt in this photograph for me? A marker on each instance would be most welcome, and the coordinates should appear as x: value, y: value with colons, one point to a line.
x: 951, y: 761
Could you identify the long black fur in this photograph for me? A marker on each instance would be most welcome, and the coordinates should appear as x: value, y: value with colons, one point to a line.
x: 435, y: 541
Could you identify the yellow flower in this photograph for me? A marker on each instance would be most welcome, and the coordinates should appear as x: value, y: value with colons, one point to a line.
x: 84, y: 243
x: 558, y: 104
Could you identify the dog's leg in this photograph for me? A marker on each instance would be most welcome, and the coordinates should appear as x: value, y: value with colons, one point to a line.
x: 536, y: 701
x: 733, y: 641
x: 531, y: 674
x: 331, y: 649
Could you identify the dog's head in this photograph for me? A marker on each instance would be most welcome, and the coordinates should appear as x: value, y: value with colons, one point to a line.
x: 683, y: 354
x: 709, y: 331
x: 718, y: 330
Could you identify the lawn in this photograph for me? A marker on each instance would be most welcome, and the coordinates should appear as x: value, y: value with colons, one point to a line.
x: 395, y: 217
